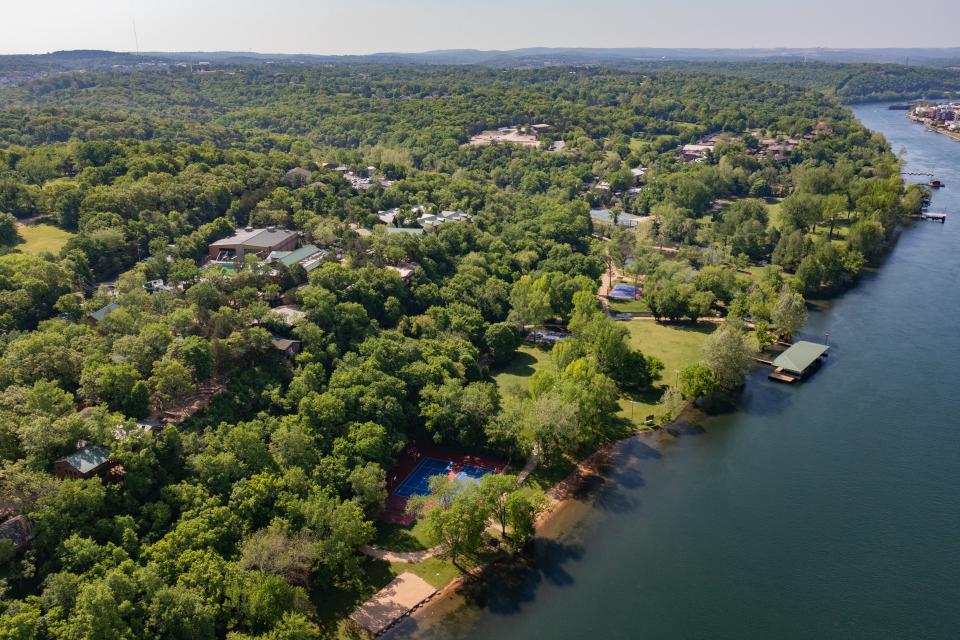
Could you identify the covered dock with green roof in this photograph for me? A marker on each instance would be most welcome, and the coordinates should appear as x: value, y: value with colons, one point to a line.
x: 799, y: 361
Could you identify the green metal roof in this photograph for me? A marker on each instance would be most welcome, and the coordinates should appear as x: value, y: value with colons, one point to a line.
x: 302, y: 253
x: 102, y: 312
x: 800, y: 356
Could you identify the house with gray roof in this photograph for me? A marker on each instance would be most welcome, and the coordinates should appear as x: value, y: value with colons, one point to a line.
x: 84, y: 463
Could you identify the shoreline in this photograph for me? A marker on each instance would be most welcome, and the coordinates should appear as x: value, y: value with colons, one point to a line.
x: 562, y: 495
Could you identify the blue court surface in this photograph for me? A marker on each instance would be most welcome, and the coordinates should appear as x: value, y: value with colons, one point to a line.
x: 418, y: 482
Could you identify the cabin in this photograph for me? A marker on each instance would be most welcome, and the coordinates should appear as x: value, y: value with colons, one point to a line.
x: 798, y: 362
x: 285, y: 346
x: 95, y: 317
x: 260, y: 242
x: 84, y: 463
x: 18, y: 531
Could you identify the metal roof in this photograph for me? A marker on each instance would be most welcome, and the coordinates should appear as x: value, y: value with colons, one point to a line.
x: 102, y: 312
x: 800, y: 356
x: 264, y: 238
x: 87, y: 459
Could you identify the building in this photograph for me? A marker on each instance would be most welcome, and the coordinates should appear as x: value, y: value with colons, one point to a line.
x: 259, y: 242
x: 94, y: 317
x: 622, y: 219
x: 429, y: 221
x: 405, y: 270
x: 297, y: 177
x: 84, y: 463
x: 308, y: 256
x: 696, y: 152
x: 799, y: 361
x: 410, y: 231
x: 290, y: 313
x: 18, y: 531
x: 287, y: 347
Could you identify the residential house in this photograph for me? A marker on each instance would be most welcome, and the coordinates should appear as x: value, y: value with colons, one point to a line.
x: 84, y: 463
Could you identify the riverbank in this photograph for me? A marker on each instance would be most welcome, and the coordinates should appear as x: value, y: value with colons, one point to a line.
x: 787, y: 517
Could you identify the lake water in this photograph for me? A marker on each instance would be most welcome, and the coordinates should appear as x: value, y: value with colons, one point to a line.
x: 824, y: 510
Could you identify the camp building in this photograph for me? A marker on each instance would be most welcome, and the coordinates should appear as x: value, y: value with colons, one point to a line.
x: 260, y: 242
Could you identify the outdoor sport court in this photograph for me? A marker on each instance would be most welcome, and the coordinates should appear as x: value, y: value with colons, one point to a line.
x: 411, y: 476
x: 418, y: 482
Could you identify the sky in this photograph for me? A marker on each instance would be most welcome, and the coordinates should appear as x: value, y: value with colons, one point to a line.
x: 370, y: 26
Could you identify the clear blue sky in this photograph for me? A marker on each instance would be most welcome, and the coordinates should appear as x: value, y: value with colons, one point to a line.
x: 367, y: 26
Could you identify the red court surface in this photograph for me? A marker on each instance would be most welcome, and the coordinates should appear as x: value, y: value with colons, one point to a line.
x: 395, y: 511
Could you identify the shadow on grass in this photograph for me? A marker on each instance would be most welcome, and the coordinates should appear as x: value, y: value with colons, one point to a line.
x: 334, y: 604
x: 395, y: 537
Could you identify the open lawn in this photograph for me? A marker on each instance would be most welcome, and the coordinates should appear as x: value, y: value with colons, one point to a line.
x: 677, y: 345
x: 39, y: 238
x: 512, y: 377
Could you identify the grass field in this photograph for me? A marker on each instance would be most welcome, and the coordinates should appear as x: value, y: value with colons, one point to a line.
x: 38, y: 238
x: 676, y: 345
x: 512, y: 378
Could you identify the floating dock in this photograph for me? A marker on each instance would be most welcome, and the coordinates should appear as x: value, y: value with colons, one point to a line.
x: 936, y: 217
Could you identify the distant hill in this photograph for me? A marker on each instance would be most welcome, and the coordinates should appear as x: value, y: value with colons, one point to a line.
x: 853, y: 75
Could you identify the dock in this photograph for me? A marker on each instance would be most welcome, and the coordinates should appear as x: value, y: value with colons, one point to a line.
x: 936, y: 217
x: 779, y: 375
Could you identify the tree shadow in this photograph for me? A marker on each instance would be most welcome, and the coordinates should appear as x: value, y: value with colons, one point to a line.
x: 504, y: 586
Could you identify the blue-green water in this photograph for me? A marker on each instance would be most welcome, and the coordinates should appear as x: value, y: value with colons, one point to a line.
x: 825, y: 510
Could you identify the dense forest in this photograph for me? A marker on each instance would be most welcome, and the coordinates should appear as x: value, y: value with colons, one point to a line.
x: 245, y: 518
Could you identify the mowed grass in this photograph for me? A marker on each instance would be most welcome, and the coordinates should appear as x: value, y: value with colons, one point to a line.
x: 512, y: 377
x: 677, y: 345
x: 40, y: 238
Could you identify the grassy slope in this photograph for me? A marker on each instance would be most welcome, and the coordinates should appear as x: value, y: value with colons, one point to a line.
x: 676, y: 345
x: 38, y: 238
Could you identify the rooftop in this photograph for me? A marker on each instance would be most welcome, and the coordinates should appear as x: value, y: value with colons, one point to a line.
x: 799, y: 356
x: 102, y: 312
x: 264, y: 238
x: 87, y: 459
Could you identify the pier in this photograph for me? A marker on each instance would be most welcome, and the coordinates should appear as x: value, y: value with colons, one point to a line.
x: 935, y: 217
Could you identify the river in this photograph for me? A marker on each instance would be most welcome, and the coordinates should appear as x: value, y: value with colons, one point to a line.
x: 825, y: 510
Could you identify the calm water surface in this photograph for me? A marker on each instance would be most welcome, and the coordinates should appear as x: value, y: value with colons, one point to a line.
x: 827, y: 510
